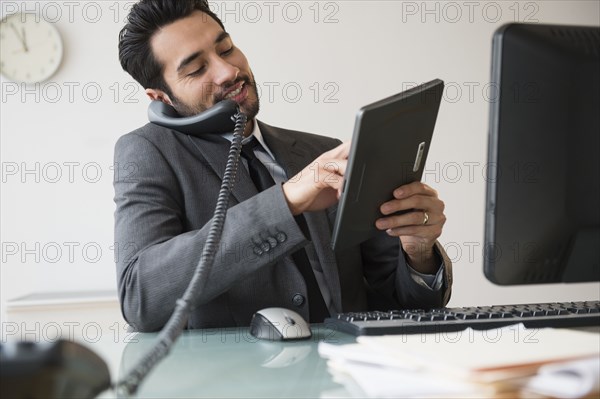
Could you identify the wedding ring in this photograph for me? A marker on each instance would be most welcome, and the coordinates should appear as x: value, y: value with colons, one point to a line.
x: 425, y: 218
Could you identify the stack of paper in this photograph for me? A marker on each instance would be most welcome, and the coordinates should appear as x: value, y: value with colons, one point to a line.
x: 470, y: 363
x: 567, y: 380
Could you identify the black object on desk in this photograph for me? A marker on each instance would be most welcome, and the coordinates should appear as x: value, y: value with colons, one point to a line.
x: 60, y: 369
x: 414, y: 321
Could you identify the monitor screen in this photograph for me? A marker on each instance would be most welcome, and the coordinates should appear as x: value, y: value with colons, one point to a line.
x: 543, y: 185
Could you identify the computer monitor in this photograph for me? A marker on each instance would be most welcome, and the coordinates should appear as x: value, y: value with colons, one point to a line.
x: 543, y: 184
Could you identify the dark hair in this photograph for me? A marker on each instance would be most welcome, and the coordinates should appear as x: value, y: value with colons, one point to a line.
x: 144, y: 19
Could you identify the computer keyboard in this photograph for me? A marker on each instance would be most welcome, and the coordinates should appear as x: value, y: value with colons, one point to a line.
x: 414, y: 321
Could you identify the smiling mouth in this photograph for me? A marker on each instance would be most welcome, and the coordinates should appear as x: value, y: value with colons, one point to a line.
x: 235, y: 92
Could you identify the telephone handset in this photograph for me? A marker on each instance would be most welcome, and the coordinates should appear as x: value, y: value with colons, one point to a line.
x: 218, y: 119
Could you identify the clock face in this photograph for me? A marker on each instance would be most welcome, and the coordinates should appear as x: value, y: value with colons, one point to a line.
x: 30, y: 48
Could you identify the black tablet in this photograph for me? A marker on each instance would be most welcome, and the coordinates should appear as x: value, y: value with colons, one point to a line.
x: 389, y: 148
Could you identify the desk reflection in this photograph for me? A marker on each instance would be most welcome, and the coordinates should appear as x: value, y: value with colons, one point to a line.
x: 230, y: 362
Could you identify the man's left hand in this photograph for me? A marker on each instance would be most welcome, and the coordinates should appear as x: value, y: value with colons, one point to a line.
x: 419, y: 227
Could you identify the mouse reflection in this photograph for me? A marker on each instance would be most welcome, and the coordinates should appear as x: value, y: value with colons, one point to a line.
x: 287, y: 356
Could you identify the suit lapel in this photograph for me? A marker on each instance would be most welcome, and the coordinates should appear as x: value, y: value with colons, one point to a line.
x: 286, y: 149
x: 214, y: 149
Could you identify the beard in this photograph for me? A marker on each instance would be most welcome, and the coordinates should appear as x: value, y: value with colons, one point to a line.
x: 249, y: 107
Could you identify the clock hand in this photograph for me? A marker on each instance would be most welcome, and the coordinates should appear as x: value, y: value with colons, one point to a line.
x: 19, y: 36
x: 24, y: 39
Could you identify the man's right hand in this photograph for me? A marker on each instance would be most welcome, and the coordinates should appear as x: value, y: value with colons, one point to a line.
x: 319, y: 185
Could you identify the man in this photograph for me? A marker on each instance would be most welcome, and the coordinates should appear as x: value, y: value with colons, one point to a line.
x: 167, y: 186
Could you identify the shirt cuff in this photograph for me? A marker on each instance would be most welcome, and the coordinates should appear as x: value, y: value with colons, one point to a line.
x: 431, y: 281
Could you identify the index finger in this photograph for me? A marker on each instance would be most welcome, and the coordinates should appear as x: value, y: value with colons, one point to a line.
x: 342, y: 151
x: 414, y: 188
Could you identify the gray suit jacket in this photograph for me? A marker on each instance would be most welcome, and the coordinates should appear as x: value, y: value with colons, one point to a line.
x: 165, y: 192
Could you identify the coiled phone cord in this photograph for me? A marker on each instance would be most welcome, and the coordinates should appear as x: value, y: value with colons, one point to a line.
x: 129, y: 384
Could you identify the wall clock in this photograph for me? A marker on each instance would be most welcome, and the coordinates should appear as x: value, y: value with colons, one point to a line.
x: 31, y: 48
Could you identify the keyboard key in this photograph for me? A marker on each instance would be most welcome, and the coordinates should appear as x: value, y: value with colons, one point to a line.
x: 580, y: 311
x: 466, y: 316
x: 526, y: 314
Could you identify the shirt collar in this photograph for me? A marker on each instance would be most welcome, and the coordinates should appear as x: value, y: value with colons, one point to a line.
x: 255, y: 133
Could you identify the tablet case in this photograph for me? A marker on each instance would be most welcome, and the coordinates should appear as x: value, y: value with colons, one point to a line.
x: 389, y: 147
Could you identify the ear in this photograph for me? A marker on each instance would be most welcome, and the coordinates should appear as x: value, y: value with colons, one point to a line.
x: 159, y: 95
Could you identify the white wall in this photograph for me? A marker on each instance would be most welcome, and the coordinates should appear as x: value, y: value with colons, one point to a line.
x: 57, y: 218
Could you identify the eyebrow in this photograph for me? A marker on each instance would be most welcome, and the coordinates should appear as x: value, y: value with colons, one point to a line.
x: 187, y: 60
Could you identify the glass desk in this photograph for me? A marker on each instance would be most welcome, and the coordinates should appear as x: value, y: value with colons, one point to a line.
x: 230, y: 362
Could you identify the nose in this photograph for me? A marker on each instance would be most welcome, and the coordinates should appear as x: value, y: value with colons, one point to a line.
x: 224, y: 72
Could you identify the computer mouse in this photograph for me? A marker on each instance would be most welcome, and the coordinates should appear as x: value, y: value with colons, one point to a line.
x: 59, y: 369
x: 279, y: 324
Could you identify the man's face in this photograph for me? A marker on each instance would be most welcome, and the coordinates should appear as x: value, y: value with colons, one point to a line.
x: 201, y: 66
